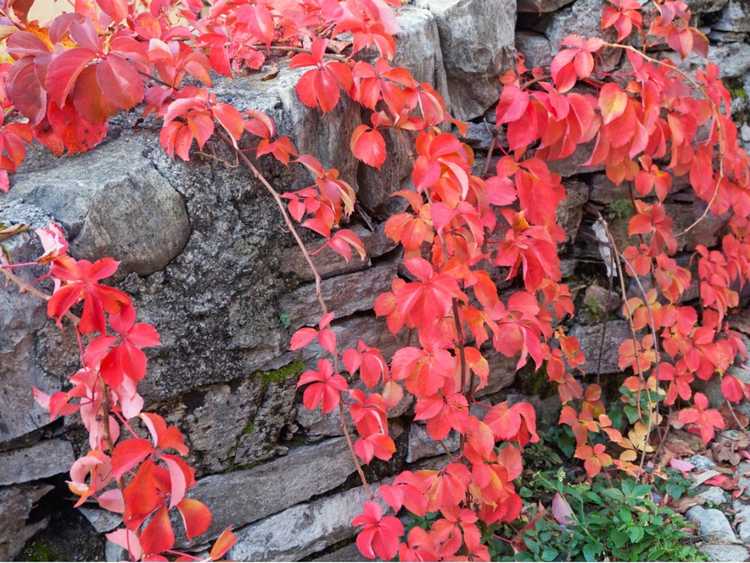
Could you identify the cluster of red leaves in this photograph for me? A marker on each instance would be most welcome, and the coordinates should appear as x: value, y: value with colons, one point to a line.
x: 139, y: 478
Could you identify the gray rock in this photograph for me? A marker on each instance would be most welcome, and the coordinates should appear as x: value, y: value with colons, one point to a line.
x: 570, y: 210
x: 16, y: 503
x: 239, y: 422
x: 43, y: 459
x: 245, y: 496
x: 742, y: 520
x: 103, y: 521
x: 274, y: 417
x: 706, y: 6
x: 734, y: 17
x: 713, y: 495
x: 301, y: 530
x: 575, y: 163
x: 326, y: 136
x: 502, y: 373
x: 344, y: 295
x: 725, y: 552
x: 605, y: 192
x: 599, y: 301
x: 112, y: 202
x: 590, y: 337
x: 347, y: 553
x: 701, y: 462
x: 25, y: 337
x: 743, y: 475
x: 535, y: 48
x: 713, y: 525
x: 582, y: 18
x: 418, y: 47
x: 476, y: 38
x: 733, y: 59
x: 329, y: 264
x: 422, y: 446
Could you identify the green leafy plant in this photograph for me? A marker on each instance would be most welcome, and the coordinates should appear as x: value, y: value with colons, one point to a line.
x: 620, y: 520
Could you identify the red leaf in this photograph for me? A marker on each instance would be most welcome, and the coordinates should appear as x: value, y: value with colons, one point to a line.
x: 612, y: 102
x: 368, y: 146
x: 63, y: 72
x: 158, y: 536
x: 120, y: 82
x: 129, y: 453
x: 196, y: 517
x: 223, y: 543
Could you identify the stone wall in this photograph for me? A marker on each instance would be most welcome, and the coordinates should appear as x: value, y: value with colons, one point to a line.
x: 205, y: 257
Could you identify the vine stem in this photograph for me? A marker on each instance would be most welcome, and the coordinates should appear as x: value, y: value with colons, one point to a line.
x: 318, y: 290
x: 636, y: 344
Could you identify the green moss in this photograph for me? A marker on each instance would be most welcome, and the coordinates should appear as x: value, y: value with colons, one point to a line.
x: 283, y: 373
x: 249, y: 428
x: 621, y: 208
x: 39, y: 550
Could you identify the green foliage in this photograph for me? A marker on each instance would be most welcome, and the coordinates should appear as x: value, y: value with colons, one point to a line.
x: 283, y: 373
x: 619, y: 521
x: 621, y: 209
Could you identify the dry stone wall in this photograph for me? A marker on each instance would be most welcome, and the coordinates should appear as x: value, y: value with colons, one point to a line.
x: 204, y: 255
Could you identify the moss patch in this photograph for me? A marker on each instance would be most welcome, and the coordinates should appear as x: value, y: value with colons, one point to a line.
x: 39, y: 550
x: 283, y: 373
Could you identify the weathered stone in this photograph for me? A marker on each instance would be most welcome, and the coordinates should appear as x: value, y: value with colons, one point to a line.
x: 301, y: 530
x: 541, y: 6
x: 112, y: 202
x: 43, y: 459
x: 418, y: 47
x: 701, y: 462
x: 574, y: 164
x: 245, y: 496
x: 313, y: 131
x: 318, y: 425
x: 16, y: 503
x: 259, y: 439
x: 239, y: 422
x: 480, y: 135
x: 733, y: 59
x: 570, y: 210
x: 103, y: 521
x: 713, y: 495
x: 345, y: 294
x: 535, y: 48
x: 734, y: 17
x: 706, y: 232
x: 422, y: 446
x: 605, y: 192
x: 713, y: 526
x: 742, y: 520
x: 743, y: 475
x: 599, y: 301
x: 502, y: 373
x: 590, y: 339
x: 725, y: 552
x: 706, y: 6
x: 23, y: 321
x: 329, y: 264
x: 582, y: 18
x: 347, y: 553
x: 476, y: 38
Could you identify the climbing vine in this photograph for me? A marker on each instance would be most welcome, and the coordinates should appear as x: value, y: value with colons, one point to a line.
x: 647, y: 123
